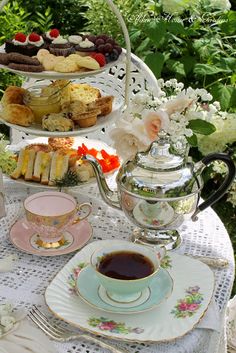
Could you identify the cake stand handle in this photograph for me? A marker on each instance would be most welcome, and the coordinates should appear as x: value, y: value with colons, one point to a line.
x: 128, y: 49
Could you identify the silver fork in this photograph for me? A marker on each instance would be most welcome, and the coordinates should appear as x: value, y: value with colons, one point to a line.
x: 63, y: 335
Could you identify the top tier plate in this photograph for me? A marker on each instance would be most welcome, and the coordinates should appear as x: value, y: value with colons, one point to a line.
x: 59, y: 75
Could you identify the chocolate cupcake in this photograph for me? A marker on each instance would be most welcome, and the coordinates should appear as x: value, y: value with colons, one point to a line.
x: 61, y: 47
x: 50, y: 36
x: 85, y: 47
x: 75, y: 39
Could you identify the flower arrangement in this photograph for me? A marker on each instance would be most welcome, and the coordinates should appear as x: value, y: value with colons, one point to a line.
x: 182, y: 113
x: 188, y: 116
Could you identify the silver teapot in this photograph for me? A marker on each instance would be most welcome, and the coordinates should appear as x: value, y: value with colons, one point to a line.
x: 159, y: 189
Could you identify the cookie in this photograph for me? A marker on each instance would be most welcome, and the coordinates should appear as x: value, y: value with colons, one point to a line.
x: 88, y: 63
x: 4, y: 59
x: 49, y: 62
x: 22, y: 59
x: 41, y: 54
x: 25, y: 67
x: 66, y: 66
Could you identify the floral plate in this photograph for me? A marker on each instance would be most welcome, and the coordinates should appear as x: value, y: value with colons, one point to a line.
x: 173, y: 318
x: 89, y: 289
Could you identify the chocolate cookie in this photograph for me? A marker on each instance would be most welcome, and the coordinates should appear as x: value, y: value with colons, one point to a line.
x: 22, y: 59
x: 25, y: 67
x: 4, y: 59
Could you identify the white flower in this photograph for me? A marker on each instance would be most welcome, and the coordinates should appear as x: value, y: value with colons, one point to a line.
x: 129, y: 138
x: 174, y: 7
x: 222, y: 5
x: 7, y: 322
x: 177, y: 105
x: 232, y: 194
x: 5, y: 309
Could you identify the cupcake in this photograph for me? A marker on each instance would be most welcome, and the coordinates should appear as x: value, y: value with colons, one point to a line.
x: 85, y: 47
x: 50, y: 36
x: 61, y: 47
x: 75, y: 40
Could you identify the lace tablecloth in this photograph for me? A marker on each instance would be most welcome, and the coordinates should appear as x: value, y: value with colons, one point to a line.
x: 26, y: 285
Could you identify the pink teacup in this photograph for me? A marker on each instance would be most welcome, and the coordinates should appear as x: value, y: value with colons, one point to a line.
x: 50, y: 213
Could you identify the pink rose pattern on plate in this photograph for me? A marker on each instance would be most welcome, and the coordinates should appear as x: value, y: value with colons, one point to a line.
x: 188, y: 306
x: 112, y: 326
x: 73, y: 277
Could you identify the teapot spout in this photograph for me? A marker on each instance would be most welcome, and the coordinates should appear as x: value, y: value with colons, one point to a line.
x: 108, y: 195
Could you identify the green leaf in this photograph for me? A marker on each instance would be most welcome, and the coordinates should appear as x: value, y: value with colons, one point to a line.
x: 176, y: 27
x: 205, y: 69
x: 223, y: 94
x: 156, y: 62
x: 192, y: 140
x: 189, y: 63
x: 227, y: 63
x: 143, y: 46
x: 176, y: 66
x: 233, y: 79
x: 156, y: 31
x: 202, y: 127
x: 228, y: 24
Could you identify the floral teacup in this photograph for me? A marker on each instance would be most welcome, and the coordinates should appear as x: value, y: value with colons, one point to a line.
x: 50, y: 213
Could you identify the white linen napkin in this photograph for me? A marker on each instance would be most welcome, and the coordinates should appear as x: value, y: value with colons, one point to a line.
x: 211, y: 319
x: 2, y: 201
x: 18, y: 335
x: 26, y: 339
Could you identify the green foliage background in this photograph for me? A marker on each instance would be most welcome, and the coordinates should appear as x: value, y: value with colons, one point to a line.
x: 199, y: 51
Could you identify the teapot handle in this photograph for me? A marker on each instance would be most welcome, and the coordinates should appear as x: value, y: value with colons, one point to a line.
x: 225, y: 185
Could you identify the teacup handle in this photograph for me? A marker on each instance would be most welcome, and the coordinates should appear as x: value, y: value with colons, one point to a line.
x: 160, y: 251
x: 79, y: 208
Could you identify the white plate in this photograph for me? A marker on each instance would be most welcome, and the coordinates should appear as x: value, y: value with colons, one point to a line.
x: 59, y: 75
x: 193, y: 281
x: 90, y: 143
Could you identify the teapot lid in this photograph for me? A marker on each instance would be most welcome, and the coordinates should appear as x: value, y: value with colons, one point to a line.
x: 159, y: 172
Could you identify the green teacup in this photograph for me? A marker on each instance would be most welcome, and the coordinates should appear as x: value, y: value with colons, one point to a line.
x: 125, y: 269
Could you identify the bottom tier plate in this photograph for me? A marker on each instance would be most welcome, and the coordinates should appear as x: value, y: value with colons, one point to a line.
x: 193, y: 284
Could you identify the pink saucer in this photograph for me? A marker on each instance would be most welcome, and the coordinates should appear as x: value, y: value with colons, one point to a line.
x: 24, y: 238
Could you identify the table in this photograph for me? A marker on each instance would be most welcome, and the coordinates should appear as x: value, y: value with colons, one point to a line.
x: 26, y: 285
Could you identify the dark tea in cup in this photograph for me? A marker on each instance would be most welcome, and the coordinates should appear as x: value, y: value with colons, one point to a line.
x: 126, y: 265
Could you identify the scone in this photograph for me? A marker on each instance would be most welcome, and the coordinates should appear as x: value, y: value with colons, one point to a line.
x: 84, y: 93
x: 76, y: 108
x: 18, y: 114
x: 57, y: 122
x: 13, y: 95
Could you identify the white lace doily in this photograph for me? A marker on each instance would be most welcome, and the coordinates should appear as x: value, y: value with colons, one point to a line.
x: 26, y: 285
